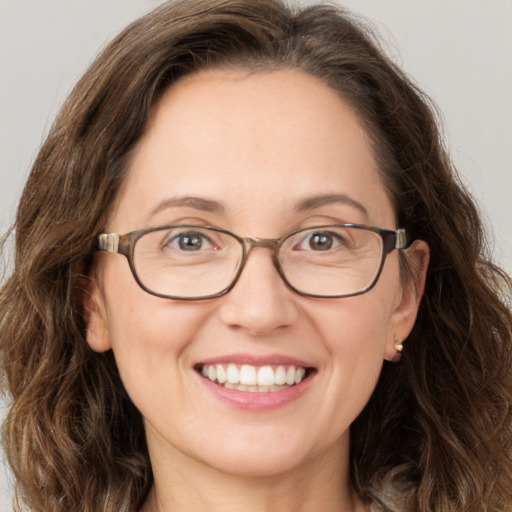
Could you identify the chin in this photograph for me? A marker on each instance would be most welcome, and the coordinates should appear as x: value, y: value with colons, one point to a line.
x: 260, y: 454
x: 260, y: 465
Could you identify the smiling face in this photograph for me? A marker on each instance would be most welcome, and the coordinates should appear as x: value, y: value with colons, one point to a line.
x: 260, y: 155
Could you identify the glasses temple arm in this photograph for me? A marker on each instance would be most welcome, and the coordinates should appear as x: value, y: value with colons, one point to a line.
x: 108, y: 242
x: 401, y: 239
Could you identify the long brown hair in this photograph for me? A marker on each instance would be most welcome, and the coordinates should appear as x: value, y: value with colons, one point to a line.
x: 438, y: 428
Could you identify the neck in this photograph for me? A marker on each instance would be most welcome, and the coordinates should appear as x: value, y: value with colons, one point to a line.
x: 189, y: 485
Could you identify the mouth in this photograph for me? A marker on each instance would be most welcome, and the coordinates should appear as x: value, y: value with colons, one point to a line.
x: 256, y: 379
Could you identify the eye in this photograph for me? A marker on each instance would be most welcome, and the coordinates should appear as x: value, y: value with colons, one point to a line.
x: 189, y: 241
x: 320, y: 241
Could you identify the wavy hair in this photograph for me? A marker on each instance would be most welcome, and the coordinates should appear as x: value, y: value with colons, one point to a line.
x: 437, y: 431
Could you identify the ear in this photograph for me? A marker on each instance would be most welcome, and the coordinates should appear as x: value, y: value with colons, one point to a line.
x: 95, y: 316
x: 404, y: 315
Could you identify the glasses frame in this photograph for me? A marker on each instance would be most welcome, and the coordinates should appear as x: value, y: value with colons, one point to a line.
x: 125, y: 244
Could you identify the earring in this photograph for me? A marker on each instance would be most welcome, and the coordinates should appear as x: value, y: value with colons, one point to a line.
x: 399, y: 344
x: 398, y: 347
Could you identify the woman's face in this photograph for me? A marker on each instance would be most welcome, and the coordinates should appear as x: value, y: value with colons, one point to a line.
x: 260, y: 155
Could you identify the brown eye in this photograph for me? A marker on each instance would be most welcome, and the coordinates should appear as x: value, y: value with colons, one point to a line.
x: 321, y: 241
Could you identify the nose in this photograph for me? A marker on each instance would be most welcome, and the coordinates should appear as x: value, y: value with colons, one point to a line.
x: 260, y: 302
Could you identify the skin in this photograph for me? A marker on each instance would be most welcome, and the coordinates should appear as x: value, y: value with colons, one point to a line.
x: 256, y: 144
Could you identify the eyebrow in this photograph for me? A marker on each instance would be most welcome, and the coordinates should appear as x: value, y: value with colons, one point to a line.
x: 311, y: 203
x: 208, y: 205
x: 198, y: 203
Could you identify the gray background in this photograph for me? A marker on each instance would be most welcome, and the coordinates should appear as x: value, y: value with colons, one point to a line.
x: 458, y: 51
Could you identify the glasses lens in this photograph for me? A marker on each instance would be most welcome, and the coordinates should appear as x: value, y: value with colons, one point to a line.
x: 332, y: 260
x: 186, y: 261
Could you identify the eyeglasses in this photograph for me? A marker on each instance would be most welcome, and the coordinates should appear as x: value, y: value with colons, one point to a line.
x: 189, y: 262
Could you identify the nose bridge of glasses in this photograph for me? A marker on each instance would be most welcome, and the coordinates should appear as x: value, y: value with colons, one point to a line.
x: 265, y: 243
x: 260, y: 243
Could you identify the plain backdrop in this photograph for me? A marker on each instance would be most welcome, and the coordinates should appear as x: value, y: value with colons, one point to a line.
x: 458, y: 51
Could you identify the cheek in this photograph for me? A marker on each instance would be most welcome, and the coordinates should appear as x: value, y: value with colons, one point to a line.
x: 149, y: 335
x: 356, y: 326
x: 352, y: 333
x: 139, y: 322
x: 355, y: 332
x: 150, y: 347
x: 361, y: 359
x: 152, y: 328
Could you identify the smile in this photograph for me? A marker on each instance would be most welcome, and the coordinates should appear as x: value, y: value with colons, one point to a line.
x: 257, y: 379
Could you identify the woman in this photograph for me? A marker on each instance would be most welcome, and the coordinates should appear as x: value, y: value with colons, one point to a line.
x: 239, y: 215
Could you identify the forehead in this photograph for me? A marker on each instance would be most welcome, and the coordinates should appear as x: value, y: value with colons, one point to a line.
x: 245, y: 140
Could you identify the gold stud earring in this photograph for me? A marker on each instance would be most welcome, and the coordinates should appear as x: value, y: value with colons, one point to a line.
x: 398, y: 347
x: 399, y: 344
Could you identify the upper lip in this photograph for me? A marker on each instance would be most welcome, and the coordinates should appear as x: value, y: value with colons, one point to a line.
x: 255, y: 360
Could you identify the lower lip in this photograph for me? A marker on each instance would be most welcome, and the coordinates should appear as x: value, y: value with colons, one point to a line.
x: 254, y: 401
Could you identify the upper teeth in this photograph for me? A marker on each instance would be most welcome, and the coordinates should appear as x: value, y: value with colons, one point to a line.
x: 248, y: 375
